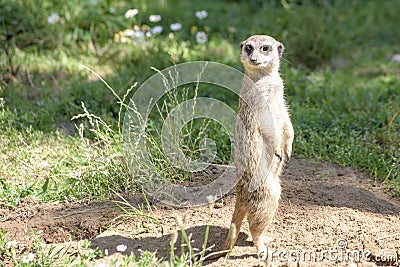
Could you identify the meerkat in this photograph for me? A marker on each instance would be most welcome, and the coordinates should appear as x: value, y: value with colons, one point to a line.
x: 263, y: 142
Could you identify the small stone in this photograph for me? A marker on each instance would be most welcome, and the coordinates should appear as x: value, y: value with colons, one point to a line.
x: 218, y: 205
x: 121, y: 248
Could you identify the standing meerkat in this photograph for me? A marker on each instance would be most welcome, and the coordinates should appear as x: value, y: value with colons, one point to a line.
x: 264, y: 136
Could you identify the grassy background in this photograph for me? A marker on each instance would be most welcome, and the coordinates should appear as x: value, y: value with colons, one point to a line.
x: 341, y: 84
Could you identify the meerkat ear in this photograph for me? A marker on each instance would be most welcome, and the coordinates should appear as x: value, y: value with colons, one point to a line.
x: 241, y: 45
x: 281, y: 48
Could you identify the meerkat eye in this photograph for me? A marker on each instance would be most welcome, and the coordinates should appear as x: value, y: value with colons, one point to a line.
x: 248, y: 48
x: 265, y: 48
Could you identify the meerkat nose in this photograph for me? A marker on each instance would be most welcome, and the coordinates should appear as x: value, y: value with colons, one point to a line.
x: 253, y: 60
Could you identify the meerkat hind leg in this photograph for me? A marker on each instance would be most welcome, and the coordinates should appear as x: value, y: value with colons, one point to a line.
x: 236, y: 223
x: 260, y: 240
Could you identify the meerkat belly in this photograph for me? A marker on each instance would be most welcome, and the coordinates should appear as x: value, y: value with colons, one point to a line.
x: 265, y: 199
x: 261, y: 174
x: 256, y: 167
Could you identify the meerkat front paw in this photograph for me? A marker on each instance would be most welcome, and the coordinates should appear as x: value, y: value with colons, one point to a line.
x: 288, y: 142
x: 288, y: 153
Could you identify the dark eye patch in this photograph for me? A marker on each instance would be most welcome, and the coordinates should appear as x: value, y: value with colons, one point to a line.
x: 249, y: 48
x: 265, y: 48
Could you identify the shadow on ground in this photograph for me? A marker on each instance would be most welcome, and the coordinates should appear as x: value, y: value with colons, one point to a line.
x: 162, y: 244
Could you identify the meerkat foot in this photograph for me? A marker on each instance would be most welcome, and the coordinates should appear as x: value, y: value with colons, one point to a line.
x: 265, y: 263
x: 262, y: 249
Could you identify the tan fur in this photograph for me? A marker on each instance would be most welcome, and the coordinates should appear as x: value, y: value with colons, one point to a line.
x: 264, y: 136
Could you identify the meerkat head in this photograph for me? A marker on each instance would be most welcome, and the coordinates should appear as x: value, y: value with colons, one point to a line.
x: 261, y: 52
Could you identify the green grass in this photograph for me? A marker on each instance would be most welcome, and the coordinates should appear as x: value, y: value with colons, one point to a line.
x: 349, y: 120
x: 343, y: 88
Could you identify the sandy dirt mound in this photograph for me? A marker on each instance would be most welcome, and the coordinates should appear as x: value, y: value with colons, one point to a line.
x: 328, y: 216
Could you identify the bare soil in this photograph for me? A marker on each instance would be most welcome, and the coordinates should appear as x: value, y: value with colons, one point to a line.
x: 328, y: 216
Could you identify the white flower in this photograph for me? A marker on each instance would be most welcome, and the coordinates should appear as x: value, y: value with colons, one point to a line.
x: 148, y: 34
x: 155, y: 18
x: 201, y: 37
x: 202, y: 14
x: 28, y: 258
x: 31, y: 256
x: 129, y: 33
x: 53, y: 18
x: 121, y: 248
x: 101, y: 264
x: 112, y: 10
x: 156, y: 29
x: 11, y: 244
x: 139, y: 34
x: 131, y: 13
x: 43, y: 164
x: 396, y: 58
x: 176, y: 26
x: 123, y: 40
